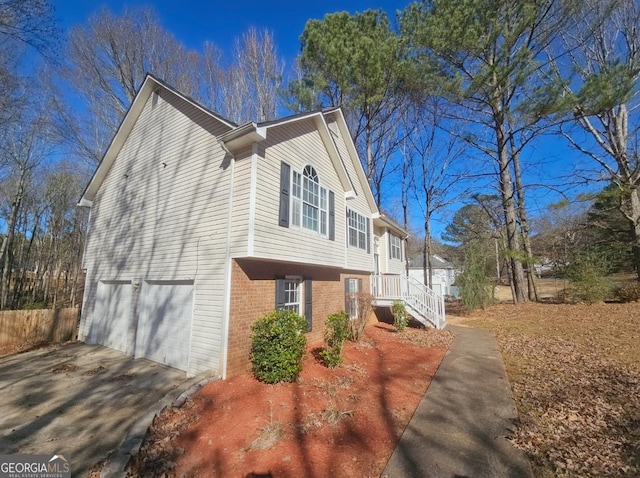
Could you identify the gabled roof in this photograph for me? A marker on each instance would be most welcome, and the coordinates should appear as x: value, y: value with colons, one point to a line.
x: 385, y: 221
x: 437, y: 262
x: 149, y: 85
x: 236, y: 138
x: 244, y: 135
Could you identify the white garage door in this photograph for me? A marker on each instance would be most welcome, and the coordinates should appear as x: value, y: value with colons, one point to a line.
x: 164, y: 322
x: 111, y: 324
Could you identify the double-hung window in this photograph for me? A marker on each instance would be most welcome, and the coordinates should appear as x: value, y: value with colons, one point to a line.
x: 357, y: 230
x: 292, y: 294
x: 309, y: 206
x: 395, y: 247
x: 295, y: 294
x: 352, y: 287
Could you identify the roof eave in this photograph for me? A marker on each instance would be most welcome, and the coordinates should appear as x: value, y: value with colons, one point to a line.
x: 243, y: 136
x: 344, y: 131
x: 383, y: 221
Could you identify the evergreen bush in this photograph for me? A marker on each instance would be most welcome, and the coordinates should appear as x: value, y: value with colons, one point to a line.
x: 400, y: 317
x: 277, y: 346
x: 587, y: 272
x: 336, y: 332
x: 474, y: 283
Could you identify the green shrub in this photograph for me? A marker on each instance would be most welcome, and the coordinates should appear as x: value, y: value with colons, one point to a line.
x: 587, y: 273
x: 336, y: 332
x: 31, y: 305
x: 277, y: 346
x: 474, y: 283
x: 400, y: 317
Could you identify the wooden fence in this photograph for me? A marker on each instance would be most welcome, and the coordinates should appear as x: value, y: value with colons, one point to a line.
x: 18, y: 327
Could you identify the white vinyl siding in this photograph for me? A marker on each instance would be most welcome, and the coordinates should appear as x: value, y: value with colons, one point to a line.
x: 241, y: 204
x: 161, y: 214
x: 388, y: 265
x: 357, y: 258
x: 299, y: 145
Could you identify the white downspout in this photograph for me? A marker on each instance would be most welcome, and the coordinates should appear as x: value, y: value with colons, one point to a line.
x: 224, y: 345
x: 252, y: 199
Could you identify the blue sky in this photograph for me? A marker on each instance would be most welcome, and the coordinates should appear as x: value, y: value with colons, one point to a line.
x: 194, y: 22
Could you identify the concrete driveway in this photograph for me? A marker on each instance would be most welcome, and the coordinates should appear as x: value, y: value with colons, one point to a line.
x: 76, y: 400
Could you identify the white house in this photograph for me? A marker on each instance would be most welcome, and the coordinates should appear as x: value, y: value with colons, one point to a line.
x: 443, y: 276
x: 198, y: 226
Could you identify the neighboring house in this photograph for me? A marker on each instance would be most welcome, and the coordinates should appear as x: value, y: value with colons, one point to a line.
x: 443, y: 277
x: 199, y: 226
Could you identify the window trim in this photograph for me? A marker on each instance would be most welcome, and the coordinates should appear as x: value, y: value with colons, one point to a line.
x: 358, y: 224
x: 395, y: 249
x: 352, y: 287
x: 304, y: 296
x: 302, y: 199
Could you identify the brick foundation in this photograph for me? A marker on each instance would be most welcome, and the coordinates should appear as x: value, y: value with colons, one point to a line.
x: 253, y: 295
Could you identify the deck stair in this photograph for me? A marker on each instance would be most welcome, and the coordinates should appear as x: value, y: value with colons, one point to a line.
x: 422, y: 303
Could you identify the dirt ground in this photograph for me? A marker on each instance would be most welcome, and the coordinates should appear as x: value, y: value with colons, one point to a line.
x: 343, y: 422
x: 547, y: 289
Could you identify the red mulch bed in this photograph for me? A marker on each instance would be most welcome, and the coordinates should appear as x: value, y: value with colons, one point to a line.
x: 343, y: 422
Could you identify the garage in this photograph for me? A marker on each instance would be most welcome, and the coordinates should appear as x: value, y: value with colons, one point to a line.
x: 112, y: 321
x: 163, y: 333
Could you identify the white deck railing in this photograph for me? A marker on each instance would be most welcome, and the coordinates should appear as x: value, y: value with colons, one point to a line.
x: 423, y: 303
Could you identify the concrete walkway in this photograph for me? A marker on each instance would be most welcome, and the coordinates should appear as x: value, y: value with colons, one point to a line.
x: 460, y: 426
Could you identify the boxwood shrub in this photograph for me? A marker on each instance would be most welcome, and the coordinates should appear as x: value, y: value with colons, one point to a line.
x: 278, y: 344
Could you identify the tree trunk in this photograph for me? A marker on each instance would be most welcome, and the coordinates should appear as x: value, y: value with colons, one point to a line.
x: 524, y: 225
x: 5, y: 251
x: 635, y: 229
x: 428, y: 253
x: 510, y: 213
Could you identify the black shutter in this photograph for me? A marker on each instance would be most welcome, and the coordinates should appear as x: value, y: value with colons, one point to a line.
x: 285, y: 183
x: 359, y: 285
x: 332, y: 216
x: 346, y: 227
x: 308, y: 304
x: 346, y: 296
x: 390, y: 248
x: 368, y: 236
x: 280, y: 299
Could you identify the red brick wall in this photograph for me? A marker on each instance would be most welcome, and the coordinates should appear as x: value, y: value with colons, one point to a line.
x: 253, y: 291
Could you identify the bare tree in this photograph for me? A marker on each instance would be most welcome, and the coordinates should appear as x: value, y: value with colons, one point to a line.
x: 260, y: 70
x: 601, y: 92
x: 25, y: 146
x: 213, y: 76
x: 438, y: 171
x: 29, y: 22
x: 107, y: 62
x: 24, y: 25
x: 488, y: 58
